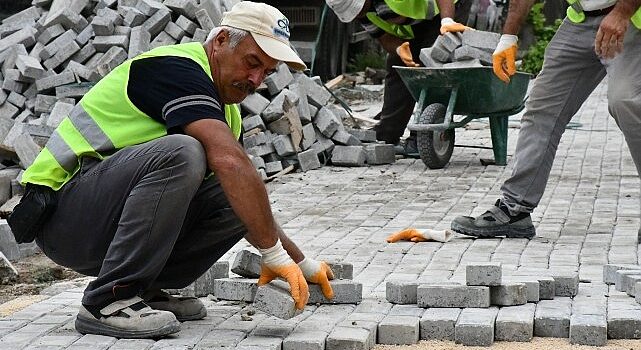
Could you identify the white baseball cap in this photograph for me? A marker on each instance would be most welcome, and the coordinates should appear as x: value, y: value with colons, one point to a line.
x: 269, y: 28
x: 346, y: 10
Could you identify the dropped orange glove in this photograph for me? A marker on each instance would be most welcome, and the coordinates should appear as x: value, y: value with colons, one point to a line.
x: 404, y: 52
x: 414, y: 235
x: 277, y: 263
x: 318, y: 272
x: 448, y: 25
x: 504, y: 57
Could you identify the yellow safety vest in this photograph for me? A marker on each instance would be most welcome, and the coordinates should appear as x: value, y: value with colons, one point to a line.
x: 105, y: 120
x: 415, y: 9
x: 575, y: 13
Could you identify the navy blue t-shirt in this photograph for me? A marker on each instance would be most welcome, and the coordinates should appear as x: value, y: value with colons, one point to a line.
x: 174, y: 91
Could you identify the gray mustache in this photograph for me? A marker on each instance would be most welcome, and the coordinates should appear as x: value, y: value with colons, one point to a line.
x: 245, y: 87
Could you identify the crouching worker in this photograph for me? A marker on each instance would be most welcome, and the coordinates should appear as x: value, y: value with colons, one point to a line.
x: 145, y: 185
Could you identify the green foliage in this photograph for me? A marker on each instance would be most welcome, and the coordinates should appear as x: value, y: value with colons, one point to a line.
x: 362, y: 60
x: 533, y: 60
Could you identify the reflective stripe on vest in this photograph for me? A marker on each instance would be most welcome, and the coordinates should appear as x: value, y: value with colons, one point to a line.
x: 414, y: 9
x: 576, y: 15
x: 105, y: 120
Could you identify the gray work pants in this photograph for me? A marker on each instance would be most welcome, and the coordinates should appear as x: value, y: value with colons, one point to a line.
x: 142, y: 218
x: 571, y: 71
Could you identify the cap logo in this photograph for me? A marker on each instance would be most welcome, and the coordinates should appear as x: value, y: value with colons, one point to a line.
x: 283, y: 28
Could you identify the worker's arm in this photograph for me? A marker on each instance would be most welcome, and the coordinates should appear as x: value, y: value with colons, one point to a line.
x: 247, y: 196
x: 397, y: 46
x: 504, y: 56
x: 609, y: 38
x: 447, y: 11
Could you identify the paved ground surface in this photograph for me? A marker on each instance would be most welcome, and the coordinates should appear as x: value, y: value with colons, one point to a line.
x: 589, y: 216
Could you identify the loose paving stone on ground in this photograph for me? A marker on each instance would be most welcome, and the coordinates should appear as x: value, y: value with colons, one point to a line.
x: 587, y: 218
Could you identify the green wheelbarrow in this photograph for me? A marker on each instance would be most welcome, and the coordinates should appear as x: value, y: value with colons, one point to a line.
x: 473, y: 92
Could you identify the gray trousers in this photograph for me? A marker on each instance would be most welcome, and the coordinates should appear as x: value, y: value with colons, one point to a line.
x: 571, y: 71
x: 143, y: 218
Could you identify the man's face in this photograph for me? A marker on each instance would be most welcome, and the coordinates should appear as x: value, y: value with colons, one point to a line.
x: 240, y: 70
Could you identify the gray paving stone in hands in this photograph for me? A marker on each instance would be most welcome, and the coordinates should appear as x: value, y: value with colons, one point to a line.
x: 466, y: 52
x: 588, y: 330
x: 475, y: 327
x: 449, y: 41
x: 275, y: 299
x: 453, y: 296
x: 398, y: 330
x: 508, y: 294
x: 483, y: 274
x: 552, y: 318
x: 247, y: 264
x: 515, y: 323
x: 438, y: 323
x: 486, y: 41
x: 401, y: 292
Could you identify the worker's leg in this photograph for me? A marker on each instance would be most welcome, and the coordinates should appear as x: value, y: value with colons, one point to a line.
x: 211, y: 228
x: 571, y: 71
x: 118, y: 219
x: 624, y: 92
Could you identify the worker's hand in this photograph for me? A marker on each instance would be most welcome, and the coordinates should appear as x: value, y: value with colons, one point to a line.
x: 318, y: 272
x: 404, y: 52
x: 504, y: 57
x: 448, y: 25
x: 276, y: 263
x: 609, y: 38
x: 415, y: 235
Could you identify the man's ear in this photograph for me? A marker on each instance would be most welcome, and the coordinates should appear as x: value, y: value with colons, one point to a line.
x: 221, y: 38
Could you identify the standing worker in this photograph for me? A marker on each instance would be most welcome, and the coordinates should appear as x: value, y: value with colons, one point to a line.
x: 123, y: 190
x: 597, y: 37
x: 402, y: 28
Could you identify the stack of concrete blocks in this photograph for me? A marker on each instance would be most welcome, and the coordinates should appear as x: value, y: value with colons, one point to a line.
x: 289, y: 121
x: 492, y: 306
x: 470, y: 48
x: 623, y: 312
x: 54, y: 51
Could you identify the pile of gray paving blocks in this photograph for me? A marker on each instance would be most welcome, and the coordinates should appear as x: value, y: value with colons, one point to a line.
x: 53, y: 52
x: 489, y: 306
x: 292, y: 122
x: 470, y: 48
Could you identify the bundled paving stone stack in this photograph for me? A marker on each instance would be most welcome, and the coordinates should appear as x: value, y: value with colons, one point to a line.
x: 470, y: 48
x: 491, y: 306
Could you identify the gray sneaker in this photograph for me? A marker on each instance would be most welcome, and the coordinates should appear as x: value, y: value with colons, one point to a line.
x: 184, y: 308
x: 496, y: 222
x: 127, y: 318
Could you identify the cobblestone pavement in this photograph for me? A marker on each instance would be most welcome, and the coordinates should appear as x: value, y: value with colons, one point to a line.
x: 589, y: 216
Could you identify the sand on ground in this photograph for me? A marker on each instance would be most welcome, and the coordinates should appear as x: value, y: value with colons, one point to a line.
x: 535, y: 344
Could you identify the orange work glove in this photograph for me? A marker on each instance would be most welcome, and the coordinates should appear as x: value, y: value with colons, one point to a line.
x: 415, y: 235
x: 504, y: 57
x: 404, y: 52
x: 318, y: 272
x: 448, y: 25
x: 277, y: 263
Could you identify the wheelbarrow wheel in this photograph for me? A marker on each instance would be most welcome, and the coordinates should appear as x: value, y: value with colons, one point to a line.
x: 434, y: 147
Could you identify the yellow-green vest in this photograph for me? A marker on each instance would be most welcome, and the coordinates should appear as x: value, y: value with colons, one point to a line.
x: 415, y: 9
x: 575, y: 13
x: 105, y: 120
